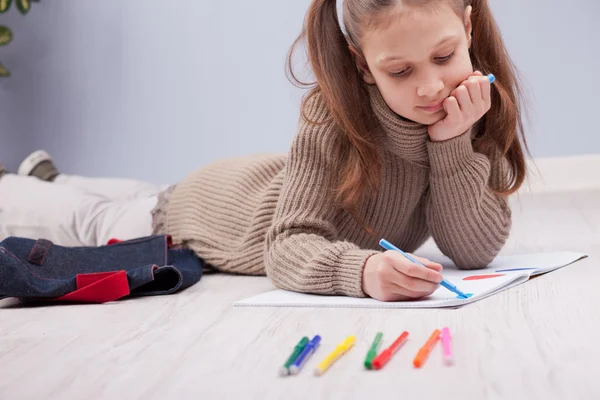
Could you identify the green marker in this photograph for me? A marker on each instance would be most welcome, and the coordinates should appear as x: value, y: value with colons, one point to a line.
x: 373, y: 351
x: 285, y: 370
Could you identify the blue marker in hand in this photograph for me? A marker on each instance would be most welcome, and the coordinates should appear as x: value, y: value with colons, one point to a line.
x: 388, y: 246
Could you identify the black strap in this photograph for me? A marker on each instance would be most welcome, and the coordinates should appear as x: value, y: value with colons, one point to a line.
x: 39, y: 251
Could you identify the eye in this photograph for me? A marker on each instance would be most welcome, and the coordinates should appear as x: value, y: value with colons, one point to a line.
x: 442, y: 60
x: 402, y: 73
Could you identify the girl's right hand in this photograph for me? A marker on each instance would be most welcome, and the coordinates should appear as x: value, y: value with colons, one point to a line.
x: 389, y: 276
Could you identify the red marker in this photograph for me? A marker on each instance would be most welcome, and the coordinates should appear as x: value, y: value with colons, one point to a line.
x: 385, y: 355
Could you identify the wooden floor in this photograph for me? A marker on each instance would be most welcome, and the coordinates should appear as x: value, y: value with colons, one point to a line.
x: 539, y: 340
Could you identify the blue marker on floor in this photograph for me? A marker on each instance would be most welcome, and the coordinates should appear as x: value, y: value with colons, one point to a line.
x: 305, y: 355
x: 388, y: 246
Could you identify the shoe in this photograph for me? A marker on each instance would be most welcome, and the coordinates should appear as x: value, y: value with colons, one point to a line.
x: 39, y: 164
x: 3, y: 171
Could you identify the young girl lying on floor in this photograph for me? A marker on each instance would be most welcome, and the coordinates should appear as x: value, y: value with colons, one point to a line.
x: 401, y: 137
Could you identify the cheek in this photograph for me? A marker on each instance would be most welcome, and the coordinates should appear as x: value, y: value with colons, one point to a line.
x: 463, y: 69
x: 399, y: 99
x: 394, y: 94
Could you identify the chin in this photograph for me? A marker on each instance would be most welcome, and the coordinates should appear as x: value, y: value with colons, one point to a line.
x: 432, y: 118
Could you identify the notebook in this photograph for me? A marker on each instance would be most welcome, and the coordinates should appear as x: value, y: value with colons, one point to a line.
x: 503, y: 273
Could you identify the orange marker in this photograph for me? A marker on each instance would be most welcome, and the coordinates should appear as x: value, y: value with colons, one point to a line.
x: 426, y: 349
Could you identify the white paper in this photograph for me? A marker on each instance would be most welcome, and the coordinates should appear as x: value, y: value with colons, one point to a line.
x: 511, y: 271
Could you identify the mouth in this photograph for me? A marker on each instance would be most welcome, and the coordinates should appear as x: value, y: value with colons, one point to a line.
x: 432, y: 108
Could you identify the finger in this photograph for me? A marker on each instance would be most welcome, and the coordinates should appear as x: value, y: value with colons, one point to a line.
x: 397, y: 286
x: 428, y: 263
x: 406, y: 294
x: 406, y: 267
x: 476, y: 74
x: 452, y: 108
x: 415, y: 285
x: 433, y: 265
x: 399, y: 294
x: 423, y: 273
x: 394, y: 291
x: 464, y: 98
x: 474, y: 89
x: 486, y: 89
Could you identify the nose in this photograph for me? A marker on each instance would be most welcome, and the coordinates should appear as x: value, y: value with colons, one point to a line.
x: 430, y: 88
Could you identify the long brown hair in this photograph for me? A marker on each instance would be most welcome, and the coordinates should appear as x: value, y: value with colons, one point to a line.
x: 339, y: 83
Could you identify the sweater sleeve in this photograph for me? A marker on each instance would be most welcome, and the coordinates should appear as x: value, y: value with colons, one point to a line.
x: 303, y: 252
x: 468, y: 221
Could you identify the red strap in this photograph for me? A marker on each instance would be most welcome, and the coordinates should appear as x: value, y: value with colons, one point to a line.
x: 99, y: 288
x: 113, y: 241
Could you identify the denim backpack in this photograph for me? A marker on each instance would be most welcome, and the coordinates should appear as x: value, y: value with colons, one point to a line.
x: 35, y: 270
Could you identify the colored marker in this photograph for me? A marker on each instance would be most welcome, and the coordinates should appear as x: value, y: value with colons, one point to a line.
x: 388, y: 246
x: 447, y: 346
x: 285, y: 369
x: 492, y: 78
x: 308, y: 351
x: 426, y: 349
x: 385, y: 355
x: 372, y: 353
x: 339, y: 351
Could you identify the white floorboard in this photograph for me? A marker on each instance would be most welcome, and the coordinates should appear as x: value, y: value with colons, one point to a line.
x: 536, y: 341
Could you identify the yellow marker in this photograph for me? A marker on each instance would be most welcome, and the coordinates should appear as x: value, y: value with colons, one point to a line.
x: 339, y: 351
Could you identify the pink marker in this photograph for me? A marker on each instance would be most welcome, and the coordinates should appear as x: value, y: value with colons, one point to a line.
x: 447, y: 346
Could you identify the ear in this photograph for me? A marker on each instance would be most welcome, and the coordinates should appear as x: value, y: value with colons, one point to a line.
x: 362, y: 65
x: 468, y: 24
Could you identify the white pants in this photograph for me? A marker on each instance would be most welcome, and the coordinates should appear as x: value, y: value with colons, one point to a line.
x: 76, y: 211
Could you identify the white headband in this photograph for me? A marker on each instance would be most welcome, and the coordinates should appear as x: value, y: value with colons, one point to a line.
x: 340, y: 12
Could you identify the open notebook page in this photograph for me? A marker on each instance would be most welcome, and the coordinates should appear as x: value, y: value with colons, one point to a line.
x: 504, y: 272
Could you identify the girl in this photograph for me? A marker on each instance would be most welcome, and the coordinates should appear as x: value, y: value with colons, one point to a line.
x: 401, y: 136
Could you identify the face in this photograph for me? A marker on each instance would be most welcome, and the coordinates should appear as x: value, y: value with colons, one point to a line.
x: 418, y: 59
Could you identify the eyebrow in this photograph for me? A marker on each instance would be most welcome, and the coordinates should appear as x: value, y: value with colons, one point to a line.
x: 382, y: 59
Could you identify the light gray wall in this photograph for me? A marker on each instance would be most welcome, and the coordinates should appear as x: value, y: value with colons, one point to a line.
x: 556, y: 46
x: 152, y: 89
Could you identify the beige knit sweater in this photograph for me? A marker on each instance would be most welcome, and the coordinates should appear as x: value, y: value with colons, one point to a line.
x: 274, y: 214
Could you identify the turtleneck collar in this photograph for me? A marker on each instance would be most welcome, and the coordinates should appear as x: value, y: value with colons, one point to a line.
x: 401, y: 137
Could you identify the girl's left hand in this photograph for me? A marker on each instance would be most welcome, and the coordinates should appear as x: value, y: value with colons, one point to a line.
x: 464, y: 107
